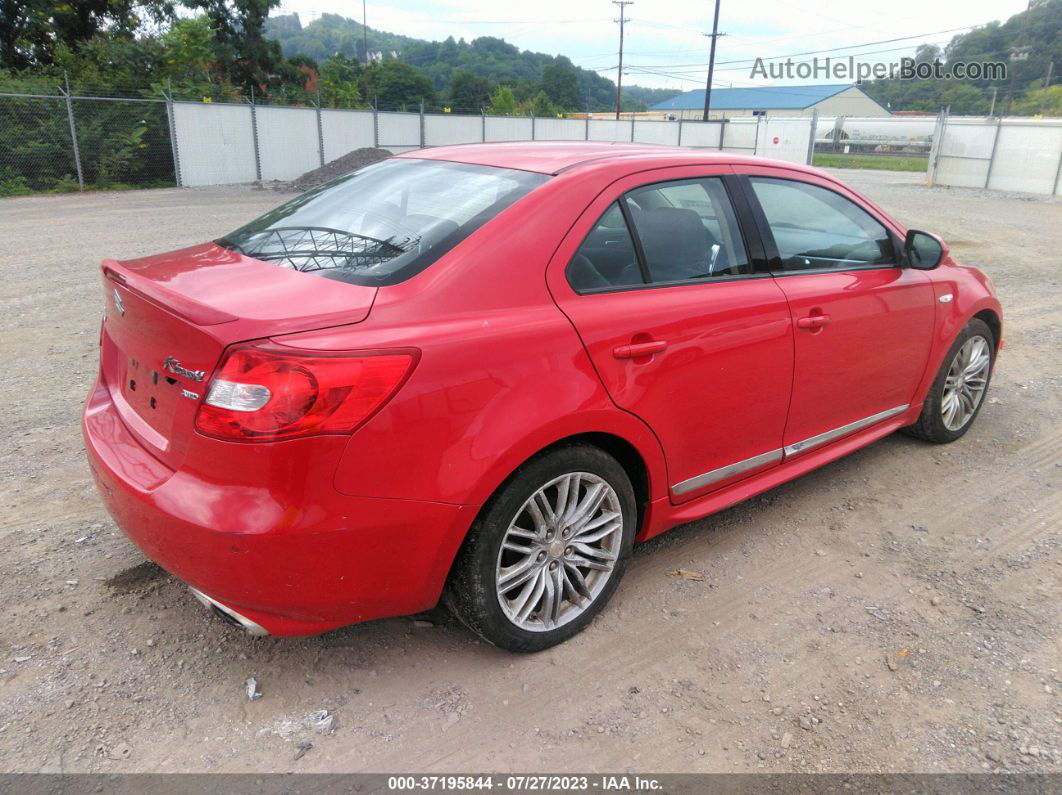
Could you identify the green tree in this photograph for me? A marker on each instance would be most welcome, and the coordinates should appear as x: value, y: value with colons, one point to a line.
x: 502, y: 102
x: 341, y: 81
x: 469, y: 93
x: 250, y: 59
x: 541, y: 106
x: 189, y: 56
x: 31, y: 31
x: 561, y: 84
x: 398, y: 86
x: 965, y: 99
x: 1049, y: 99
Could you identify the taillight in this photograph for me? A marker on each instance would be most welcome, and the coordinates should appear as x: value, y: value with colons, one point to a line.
x: 265, y: 393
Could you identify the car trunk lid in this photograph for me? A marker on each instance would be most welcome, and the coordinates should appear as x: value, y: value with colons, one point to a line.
x: 170, y: 317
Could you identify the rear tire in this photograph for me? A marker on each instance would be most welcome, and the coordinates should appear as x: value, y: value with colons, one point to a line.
x: 956, y: 396
x: 548, y: 550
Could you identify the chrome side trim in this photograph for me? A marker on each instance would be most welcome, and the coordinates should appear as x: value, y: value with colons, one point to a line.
x: 725, y: 472
x: 249, y: 626
x: 844, y: 430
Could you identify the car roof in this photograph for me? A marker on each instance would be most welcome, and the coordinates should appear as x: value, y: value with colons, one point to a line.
x: 553, y: 157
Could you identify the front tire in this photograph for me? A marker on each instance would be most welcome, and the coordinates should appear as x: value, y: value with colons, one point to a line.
x: 958, y: 392
x: 548, y: 551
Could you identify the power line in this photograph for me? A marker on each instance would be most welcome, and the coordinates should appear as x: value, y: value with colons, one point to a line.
x: 838, y: 49
x: 675, y: 70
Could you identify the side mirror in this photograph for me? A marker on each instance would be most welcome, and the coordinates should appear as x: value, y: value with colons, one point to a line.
x: 923, y: 250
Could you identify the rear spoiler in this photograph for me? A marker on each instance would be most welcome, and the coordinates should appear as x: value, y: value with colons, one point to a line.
x: 165, y: 299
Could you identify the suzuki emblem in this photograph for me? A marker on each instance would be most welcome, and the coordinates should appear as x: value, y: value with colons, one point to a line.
x: 118, y: 302
x: 175, y: 367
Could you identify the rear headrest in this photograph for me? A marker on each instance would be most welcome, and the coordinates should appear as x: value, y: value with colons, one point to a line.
x: 672, y: 236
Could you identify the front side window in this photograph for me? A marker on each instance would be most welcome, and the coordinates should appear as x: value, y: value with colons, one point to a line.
x: 815, y: 228
x: 383, y: 223
x: 686, y: 229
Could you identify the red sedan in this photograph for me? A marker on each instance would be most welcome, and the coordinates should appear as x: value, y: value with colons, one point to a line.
x: 482, y: 373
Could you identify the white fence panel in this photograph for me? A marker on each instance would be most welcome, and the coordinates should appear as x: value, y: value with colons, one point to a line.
x: 656, y: 132
x: 508, y: 128
x: 786, y: 139
x: 399, y: 132
x: 702, y: 134
x: 441, y: 130
x: 961, y: 173
x: 740, y: 136
x: 964, y: 152
x: 1027, y: 158
x: 559, y: 130
x: 1021, y: 155
x: 610, y: 130
x: 344, y: 131
x: 287, y: 141
x: 215, y: 143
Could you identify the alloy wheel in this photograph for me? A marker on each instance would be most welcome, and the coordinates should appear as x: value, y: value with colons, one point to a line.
x: 559, y: 551
x: 964, y: 386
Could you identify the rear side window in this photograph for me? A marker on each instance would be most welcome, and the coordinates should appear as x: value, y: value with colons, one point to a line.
x: 688, y: 231
x: 607, y: 257
x: 683, y: 231
x: 815, y: 228
x: 383, y: 223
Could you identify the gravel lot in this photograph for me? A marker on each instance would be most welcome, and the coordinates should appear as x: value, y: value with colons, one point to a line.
x: 898, y: 610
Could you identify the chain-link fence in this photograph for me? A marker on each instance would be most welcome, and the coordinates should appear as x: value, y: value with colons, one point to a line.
x: 62, y: 143
x: 36, y: 149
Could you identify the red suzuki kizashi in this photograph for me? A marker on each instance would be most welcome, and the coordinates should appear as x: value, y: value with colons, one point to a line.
x: 482, y: 373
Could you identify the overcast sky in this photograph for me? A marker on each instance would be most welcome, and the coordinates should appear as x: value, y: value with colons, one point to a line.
x: 665, y: 42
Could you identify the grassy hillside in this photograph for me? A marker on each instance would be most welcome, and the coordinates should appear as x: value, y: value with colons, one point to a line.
x: 489, y: 58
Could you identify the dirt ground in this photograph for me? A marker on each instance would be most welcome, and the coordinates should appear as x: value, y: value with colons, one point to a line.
x: 898, y: 610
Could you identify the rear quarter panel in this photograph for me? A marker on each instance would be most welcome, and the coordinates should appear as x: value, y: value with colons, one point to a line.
x: 502, y: 372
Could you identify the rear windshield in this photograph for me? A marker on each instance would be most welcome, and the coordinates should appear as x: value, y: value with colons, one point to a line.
x: 383, y: 223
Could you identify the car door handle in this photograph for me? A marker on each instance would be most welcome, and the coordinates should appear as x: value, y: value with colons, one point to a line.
x: 638, y: 349
x: 813, y: 321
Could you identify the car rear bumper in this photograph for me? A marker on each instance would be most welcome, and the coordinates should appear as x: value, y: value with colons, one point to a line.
x: 286, y: 554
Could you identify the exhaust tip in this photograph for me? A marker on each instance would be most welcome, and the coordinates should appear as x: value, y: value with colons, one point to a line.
x: 228, y: 615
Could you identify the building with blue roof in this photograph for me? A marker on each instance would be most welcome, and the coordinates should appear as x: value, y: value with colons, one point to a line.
x: 845, y: 99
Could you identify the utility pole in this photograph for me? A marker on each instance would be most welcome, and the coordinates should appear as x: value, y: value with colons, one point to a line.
x: 619, y: 70
x: 365, y: 49
x: 992, y: 110
x: 711, y: 63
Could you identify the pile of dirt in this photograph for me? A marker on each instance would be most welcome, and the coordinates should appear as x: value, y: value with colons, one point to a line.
x: 341, y: 165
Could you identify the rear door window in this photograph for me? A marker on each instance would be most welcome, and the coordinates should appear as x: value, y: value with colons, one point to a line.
x: 688, y: 231
x: 679, y: 232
